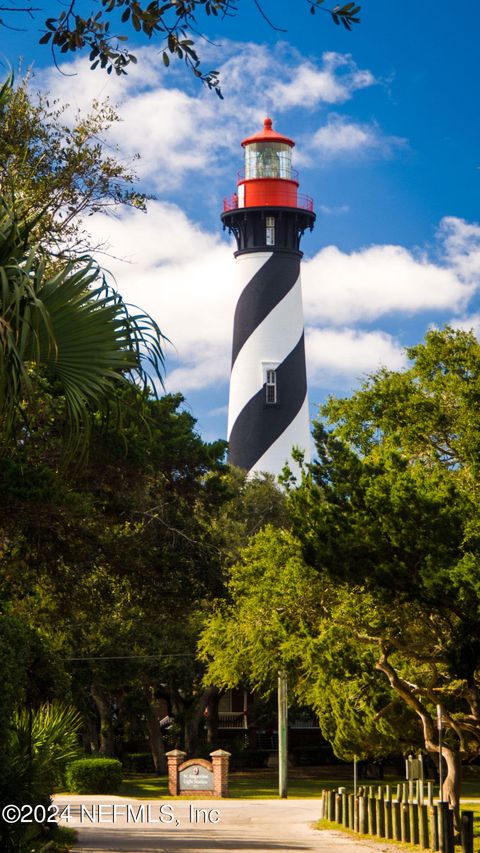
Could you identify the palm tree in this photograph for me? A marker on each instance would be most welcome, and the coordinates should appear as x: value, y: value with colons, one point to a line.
x: 61, y: 322
x: 42, y: 742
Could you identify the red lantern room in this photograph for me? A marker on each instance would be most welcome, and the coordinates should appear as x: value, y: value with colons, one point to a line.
x: 267, y: 209
x: 268, y: 179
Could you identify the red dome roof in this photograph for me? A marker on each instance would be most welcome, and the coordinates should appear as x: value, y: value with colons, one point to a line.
x: 268, y: 135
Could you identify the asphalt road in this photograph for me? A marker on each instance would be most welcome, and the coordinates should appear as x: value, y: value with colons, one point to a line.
x: 107, y: 824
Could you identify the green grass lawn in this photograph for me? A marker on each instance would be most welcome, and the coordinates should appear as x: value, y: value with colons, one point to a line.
x: 263, y: 784
x: 248, y: 784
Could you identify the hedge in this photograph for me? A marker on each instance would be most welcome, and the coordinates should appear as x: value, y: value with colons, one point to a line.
x: 94, y: 776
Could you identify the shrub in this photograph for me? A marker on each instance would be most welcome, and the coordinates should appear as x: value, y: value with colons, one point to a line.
x: 94, y: 776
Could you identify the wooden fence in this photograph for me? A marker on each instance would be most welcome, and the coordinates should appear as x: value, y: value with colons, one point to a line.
x: 405, y: 813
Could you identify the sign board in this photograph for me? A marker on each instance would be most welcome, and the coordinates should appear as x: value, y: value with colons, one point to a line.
x: 195, y: 778
x: 414, y: 768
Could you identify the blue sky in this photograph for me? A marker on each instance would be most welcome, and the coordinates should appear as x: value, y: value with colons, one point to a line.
x: 387, y: 124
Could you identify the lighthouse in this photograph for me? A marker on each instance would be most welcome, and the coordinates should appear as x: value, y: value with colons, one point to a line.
x: 268, y: 406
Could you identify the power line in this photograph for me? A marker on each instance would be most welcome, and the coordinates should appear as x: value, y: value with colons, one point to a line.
x: 135, y: 657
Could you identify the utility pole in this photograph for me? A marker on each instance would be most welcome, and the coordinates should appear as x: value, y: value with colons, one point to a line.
x: 440, y: 755
x: 282, y: 734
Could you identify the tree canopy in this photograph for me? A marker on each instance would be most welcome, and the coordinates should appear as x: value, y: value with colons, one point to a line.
x: 391, y: 510
x: 371, y: 602
x: 60, y: 171
x: 173, y: 24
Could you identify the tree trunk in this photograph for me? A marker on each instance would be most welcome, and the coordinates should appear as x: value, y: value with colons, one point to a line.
x: 212, y: 718
x: 90, y: 736
x: 194, y: 717
x: 453, y: 781
x: 155, y: 739
x: 452, y: 784
x: 103, y: 705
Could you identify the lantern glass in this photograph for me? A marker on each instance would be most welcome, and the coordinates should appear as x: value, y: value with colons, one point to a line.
x: 268, y: 160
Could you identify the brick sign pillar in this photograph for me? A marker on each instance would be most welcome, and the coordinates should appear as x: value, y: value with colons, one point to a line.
x: 174, y: 759
x: 220, y: 760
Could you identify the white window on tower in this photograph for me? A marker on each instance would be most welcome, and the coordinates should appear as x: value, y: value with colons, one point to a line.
x: 271, y: 387
x: 270, y: 230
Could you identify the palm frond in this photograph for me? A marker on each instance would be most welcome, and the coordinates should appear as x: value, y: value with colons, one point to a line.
x: 42, y: 743
x: 71, y: 326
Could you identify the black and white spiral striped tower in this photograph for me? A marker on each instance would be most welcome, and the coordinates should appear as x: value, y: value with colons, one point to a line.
x: 268, y: 408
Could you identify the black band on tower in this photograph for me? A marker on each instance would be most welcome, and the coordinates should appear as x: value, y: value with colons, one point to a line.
x: 259, y: 425
x: 262, y: 293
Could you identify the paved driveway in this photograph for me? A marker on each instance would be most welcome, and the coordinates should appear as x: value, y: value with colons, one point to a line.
x: 109, y: 824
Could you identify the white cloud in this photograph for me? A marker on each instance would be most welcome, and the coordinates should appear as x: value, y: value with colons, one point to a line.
x: 185, y: 278
x: 333, y: 82
x: 333, y: 211
x: 468, y: 323
x: 340, y: 136
x: 339, y: 356
x: 174, y: 133
x: 343, y: 288
x: 181, y: 133
x: 461, y: 242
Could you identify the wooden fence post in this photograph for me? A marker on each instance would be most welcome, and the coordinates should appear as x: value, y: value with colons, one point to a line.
x: 423, y: 826
x: 396, y: 828
x: 338, y: 808
x: 404, y: 822
x: 433, y: 821
x: 362, y: 815
x: 380, y: 817
x: 323, y: 808
x: 445, y: 830
x: 413, y: 822
x: 351, y: 811
x: 372, y: 822
x: 467, y: 832
x: 331, y: 805
x: 388, y: 818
